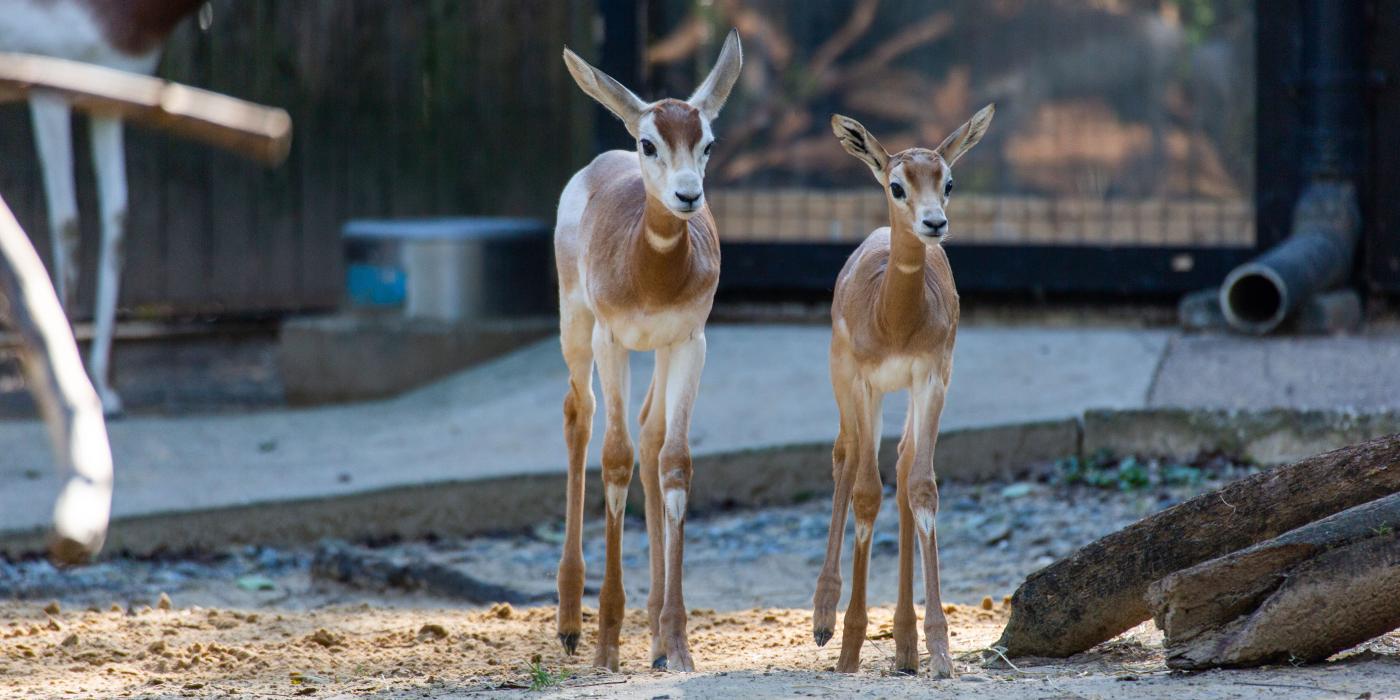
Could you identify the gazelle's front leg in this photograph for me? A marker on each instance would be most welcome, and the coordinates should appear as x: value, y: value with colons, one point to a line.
x: 687, y: 360
x: 906, y: 634
x: 109, y: 161
x: 614, y: 377
x: 653, y: 420
x: 923, y: 504
x: 65, y: 396
x: 53, y: 139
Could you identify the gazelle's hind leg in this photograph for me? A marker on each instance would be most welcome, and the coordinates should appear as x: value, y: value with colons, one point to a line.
x: 611, y: 358
x: 109, y: 161
x: 828, y: 593
x: 686, y: 362
x: 53, y: 139
x: 653, y: 421
x: 576, y: 337
x: 923, y: 503
x: 65, y: 397
x: 865, y: 504
x: 906, y: 632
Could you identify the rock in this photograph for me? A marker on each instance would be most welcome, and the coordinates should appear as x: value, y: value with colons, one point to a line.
x: 52, y: 608
x: 431, y: 631
x: 163, y: 603
x: 1019, y: 489
x: 973, y: 678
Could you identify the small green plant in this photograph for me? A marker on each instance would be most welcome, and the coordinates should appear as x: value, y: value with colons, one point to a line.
x: 1104, y: 471
x: 542, y: 678
x: 1383, y: 530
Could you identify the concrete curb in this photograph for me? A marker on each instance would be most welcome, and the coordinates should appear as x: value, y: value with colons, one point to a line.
x: 763, y: 476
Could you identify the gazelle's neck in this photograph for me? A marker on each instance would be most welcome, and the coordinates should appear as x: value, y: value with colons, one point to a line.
x: 661, y: 249
x: 901, y: 302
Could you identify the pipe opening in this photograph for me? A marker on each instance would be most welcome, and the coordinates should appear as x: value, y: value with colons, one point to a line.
x: 1255, y: 299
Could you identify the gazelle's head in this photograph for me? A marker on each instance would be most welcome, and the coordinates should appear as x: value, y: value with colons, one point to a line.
x: 673, y: 136
x: 917, y: 181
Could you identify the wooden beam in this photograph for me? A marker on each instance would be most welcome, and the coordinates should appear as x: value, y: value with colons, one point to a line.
x: 263, y: 134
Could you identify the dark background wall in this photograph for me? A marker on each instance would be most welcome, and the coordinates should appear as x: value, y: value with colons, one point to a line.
x: 398, y: 109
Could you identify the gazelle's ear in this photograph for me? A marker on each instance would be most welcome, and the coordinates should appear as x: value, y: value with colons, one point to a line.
x: 608, y: 92
x: 967, y: 135
x: 859, y: 143
x: 709, y: 98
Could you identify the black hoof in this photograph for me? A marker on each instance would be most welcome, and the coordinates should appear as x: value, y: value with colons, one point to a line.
x: 822, y: 636
x: 907, y: 671
x: 659, y: 663
x: 570, y: 642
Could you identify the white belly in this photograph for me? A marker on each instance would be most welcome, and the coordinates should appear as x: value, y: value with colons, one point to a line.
x: 895, y: 373
x: 655, y: 330
x: 64, y: 29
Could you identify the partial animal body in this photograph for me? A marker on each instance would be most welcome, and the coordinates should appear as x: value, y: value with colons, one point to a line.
x: 638, y: 261
x: 894, y: 322
x: 121, y: 34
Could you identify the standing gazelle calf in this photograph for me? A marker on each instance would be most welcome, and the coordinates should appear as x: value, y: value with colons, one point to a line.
x: 894, y: 319
x: 638, y: 258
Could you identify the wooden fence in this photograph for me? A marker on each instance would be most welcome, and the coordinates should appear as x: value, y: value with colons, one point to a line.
x: 399, y: 109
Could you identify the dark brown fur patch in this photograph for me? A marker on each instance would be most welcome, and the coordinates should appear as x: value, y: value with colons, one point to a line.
x: 678, y: 123
x: 136, y: 27
x: 922, y: 167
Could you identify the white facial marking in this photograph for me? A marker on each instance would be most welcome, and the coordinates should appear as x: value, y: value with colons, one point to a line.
x: 617, y: 499
x: 673, y: 172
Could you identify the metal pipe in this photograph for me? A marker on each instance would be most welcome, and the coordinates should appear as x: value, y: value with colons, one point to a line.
x: 1257, y: 296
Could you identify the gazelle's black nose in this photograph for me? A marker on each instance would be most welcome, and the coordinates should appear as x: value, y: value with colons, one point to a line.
x: 688, y: 198
x: 935, y: 226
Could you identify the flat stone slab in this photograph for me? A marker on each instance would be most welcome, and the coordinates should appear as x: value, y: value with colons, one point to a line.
x: 500, y: 423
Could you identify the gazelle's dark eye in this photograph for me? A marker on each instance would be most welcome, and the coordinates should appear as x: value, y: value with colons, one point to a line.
x: 897, y: 190
x: 648, y: 148
x: 948, y: 187
x: 709, y: 146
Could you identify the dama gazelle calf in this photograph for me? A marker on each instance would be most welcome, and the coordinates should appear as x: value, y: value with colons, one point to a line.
x: 638, y: 258
x: 894, y: 319
x: 125, y: 35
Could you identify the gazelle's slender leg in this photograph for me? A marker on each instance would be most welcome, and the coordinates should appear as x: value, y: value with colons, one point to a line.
x: 109, y: 161
x: 923, y: 502
x: 576, y: 336
x: 843, y: 472
x: 65, y: 396
x: 614, y: 378
x: 865, y: 505
x: 653, y: 420
x: 906, y: 633
x: 53, y: 139
x: 687, y: 361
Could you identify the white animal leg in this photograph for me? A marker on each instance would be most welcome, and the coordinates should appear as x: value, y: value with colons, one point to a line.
x: 686, y: 362
x: 109, y: 161
x: 53, y: 139
x: 65, y: 397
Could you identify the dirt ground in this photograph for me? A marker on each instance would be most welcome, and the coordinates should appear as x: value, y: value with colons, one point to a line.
x: 371, y: 651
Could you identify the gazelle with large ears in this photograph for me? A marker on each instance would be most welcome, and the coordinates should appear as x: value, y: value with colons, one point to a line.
x: 638, y: 259
x: 894, y: 319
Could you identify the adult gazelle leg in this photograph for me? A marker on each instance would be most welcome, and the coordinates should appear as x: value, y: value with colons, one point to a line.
x: 923, y: 504
x: 53, y: 139
x: 653, y: 421
x: 109, y: 161
x: 65, y: 396
x: 576, y: 337
x: 906, y: 633
x: 843, y: 473
x: 686, y: 362
x: 613, y: 377
x: 865, y: 505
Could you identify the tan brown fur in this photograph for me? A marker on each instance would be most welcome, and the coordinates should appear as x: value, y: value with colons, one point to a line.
x: 637, y: 273
x: 894, y: 322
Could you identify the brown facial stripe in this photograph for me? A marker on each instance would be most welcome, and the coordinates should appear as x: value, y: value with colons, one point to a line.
x: 678, y: 123
x: 922, y: 167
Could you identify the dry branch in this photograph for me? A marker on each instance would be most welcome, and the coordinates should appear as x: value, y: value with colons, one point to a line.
x: 1099, y: 591
x: 254, y: 131
x: 1324, y: 605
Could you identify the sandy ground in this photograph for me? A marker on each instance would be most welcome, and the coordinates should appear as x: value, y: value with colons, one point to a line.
x: 372, y: 651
